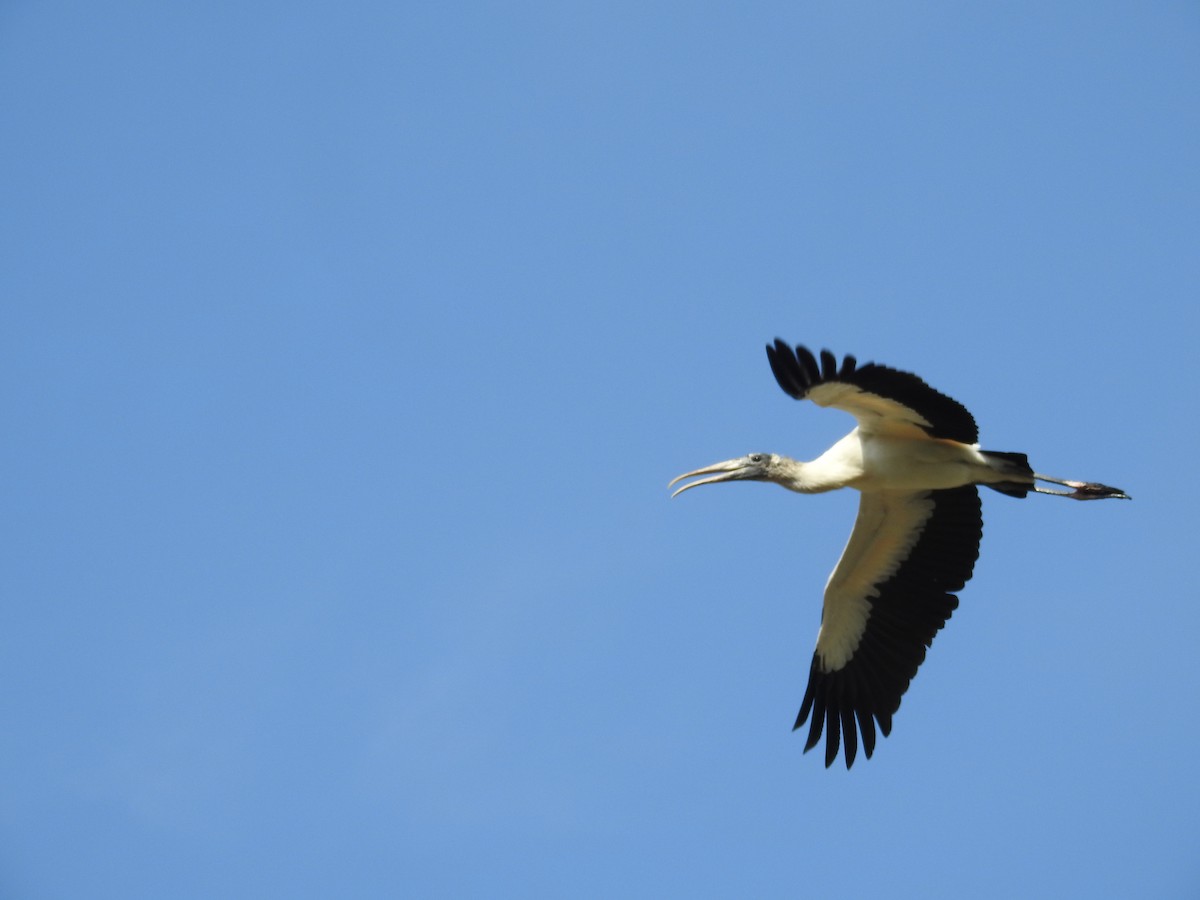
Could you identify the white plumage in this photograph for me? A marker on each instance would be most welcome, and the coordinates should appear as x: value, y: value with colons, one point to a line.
x: 915, y: 460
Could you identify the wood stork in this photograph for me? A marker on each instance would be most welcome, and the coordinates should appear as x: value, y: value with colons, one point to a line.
x: 915, y: 460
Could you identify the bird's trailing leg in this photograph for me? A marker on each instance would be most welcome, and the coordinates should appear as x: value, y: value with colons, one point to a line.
x: 1082, y: 490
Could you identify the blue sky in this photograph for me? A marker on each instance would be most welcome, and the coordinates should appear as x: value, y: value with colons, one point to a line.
x: 346, y: 352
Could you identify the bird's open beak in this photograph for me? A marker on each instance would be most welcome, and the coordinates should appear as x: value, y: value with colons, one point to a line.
x: 730, y: 470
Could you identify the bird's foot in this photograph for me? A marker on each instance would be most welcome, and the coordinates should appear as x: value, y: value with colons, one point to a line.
x: 1083, y: 490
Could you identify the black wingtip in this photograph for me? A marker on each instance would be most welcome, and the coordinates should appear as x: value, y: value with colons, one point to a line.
x: 829, y: 365
x: 817, y: 725
x: 789, y: 373
x: 833, y: 742
x: 808, y: 363
x: 849, y: 736
x: 798, y: 369
x: 866, y: 724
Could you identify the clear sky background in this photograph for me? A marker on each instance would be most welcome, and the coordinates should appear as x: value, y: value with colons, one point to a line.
x: 346, y: 351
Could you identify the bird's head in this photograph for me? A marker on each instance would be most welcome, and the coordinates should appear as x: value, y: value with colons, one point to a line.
x: 754, y: 467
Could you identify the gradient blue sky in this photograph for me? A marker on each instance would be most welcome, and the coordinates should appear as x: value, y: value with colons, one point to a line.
x: 346, y: 351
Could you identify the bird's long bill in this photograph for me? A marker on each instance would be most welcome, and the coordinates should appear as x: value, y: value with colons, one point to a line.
x: 729, y: 470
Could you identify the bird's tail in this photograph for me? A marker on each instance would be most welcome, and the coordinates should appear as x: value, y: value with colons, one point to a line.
x: 1014, y: 464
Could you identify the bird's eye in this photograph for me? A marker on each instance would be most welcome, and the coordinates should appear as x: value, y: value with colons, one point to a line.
x: 756, y: 457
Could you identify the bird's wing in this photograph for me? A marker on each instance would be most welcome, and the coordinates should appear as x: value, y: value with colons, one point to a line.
x: 890, y: 594
x: 883, y: 400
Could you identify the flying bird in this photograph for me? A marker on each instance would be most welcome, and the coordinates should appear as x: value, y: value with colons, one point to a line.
x: 915, y: 460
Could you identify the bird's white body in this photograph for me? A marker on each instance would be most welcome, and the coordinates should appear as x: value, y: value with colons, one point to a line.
x: 914, y: 458
x: 869, y: 461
